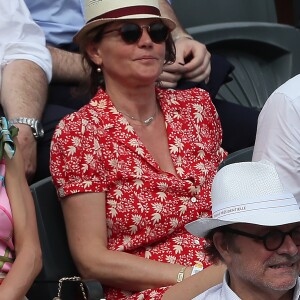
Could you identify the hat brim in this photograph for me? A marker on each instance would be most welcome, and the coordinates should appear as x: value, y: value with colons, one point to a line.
x: 88, y: 27
x: 201, y: 227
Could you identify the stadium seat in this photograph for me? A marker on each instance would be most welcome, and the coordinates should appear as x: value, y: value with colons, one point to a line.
x: 264, y: 53
x: 203, y: 12
x: 237, y: 156
x: 57, y: 261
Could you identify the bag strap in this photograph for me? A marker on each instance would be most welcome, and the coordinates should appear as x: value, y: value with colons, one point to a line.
x: 62, y: 280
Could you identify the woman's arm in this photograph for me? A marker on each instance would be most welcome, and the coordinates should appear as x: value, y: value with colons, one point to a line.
x: 196, y: 284
x: 85, y: 218
x: 28, y: 253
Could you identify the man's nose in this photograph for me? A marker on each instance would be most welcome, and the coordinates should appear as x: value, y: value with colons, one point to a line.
x: 288, y: 246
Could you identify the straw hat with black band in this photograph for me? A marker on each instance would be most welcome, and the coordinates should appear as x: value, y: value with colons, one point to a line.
x: 99, y: 12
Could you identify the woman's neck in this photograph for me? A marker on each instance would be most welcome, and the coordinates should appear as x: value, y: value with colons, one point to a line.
x: 139, y: 103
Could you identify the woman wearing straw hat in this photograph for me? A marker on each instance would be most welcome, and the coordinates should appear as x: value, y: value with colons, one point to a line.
x: 135, y: 165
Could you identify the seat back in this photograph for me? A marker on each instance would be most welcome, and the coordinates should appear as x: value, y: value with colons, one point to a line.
x: 202, y: 12
x: 57, y: 260
x: 264, y: 55
x: 237, y: 156
x: 296, y: 8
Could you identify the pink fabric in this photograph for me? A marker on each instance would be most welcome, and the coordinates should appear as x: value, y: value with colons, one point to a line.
x: 96, y: 150
x: 6, y: 224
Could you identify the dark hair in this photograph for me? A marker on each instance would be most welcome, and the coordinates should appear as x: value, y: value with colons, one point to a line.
x: 96, y: 78
x: 210, y: 249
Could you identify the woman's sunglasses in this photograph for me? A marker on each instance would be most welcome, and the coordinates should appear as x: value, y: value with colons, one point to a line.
x: 131, y: 32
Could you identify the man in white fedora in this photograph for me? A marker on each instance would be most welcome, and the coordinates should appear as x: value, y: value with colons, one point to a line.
x: 255, y: 231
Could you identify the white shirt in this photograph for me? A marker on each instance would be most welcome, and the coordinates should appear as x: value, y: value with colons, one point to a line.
x: 222, y: 291
x: 21, y: 38
x: 59, y: 19
x: 278, y: 134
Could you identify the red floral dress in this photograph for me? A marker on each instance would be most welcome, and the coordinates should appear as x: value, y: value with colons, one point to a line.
x: 96, y: 150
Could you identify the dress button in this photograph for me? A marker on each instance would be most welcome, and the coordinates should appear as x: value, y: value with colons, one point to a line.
x: 197, y: 242
x: 194, y: 199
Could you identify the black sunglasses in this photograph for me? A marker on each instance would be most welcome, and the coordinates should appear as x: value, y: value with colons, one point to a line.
x: 131, y: 32
x: 273, y: 239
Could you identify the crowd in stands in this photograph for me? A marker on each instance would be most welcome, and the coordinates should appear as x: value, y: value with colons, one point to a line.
x: 118, y: 103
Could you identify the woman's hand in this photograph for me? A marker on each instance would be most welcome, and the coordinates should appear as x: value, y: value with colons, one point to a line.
x: 192, y: 63
x: 196, y: 284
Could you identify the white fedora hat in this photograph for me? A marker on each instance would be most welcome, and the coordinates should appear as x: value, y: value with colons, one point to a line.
x: 248, y: 192
x: 99, y: 12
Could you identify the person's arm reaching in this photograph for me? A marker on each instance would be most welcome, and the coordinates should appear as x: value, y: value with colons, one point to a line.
x: 192, y: 57
x: 24, y: 94
x: 26, y: 71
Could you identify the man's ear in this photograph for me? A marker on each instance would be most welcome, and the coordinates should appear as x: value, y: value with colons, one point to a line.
x: 221, y: 245
x: 94, y: 52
